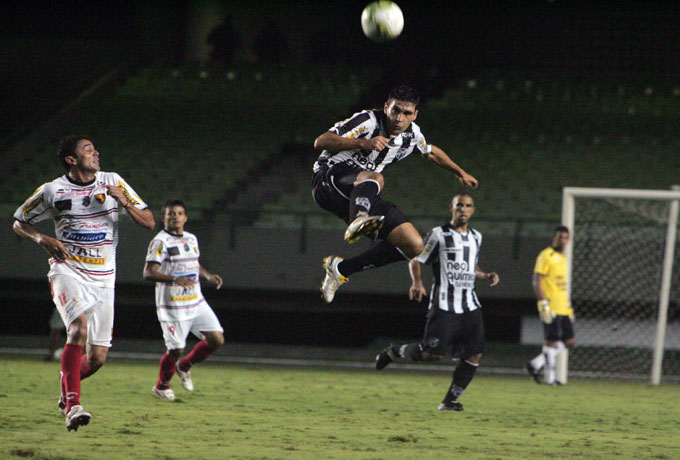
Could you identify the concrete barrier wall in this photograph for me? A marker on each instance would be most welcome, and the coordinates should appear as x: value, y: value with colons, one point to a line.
x: 277, y: 259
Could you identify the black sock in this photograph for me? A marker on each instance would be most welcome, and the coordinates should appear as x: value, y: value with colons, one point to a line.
x: 462, y: 377
x: 376, y: 256
x: 362, y: 197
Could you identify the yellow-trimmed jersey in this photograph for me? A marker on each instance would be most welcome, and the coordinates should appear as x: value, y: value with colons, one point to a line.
x: 552, y: 266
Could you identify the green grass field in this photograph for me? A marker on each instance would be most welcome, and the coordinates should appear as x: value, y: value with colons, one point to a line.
x: 240, y: 412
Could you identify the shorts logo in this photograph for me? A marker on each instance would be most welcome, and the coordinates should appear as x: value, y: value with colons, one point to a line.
x: 62, y: 298
x: 171, y: 329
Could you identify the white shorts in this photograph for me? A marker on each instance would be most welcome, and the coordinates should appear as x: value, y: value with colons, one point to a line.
x: 175, y: 333
x: 73, y: 298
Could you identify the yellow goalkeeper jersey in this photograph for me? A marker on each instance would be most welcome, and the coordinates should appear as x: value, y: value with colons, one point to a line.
x: 552, y: 265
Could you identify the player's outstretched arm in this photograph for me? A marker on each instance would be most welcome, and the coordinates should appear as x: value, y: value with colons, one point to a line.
x: 335, y: 143
x: 53, y: 246
x: 152, y: 273
x: 441, y: 159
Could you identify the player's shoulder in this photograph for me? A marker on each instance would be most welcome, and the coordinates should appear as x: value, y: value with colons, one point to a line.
x: 108, y: 177
x: 476, y: 233
x: 189, y: 235
x: 415, y: 128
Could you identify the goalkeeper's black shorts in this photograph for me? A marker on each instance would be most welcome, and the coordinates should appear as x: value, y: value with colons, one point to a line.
x: 561, y: 328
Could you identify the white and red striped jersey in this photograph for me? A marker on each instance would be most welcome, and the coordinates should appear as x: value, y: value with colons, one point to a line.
x: 85, y: 221
x: 178, y: 256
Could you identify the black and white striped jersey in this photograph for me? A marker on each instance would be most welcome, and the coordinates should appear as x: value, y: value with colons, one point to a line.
x: 368, y: 124
x: 454, y: 257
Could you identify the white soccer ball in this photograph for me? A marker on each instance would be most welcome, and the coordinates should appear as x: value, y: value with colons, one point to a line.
x: 382, y: 21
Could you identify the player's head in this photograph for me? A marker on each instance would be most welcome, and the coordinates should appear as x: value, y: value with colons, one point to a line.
x: 401, y: 108
x: 560, y: 238
x: 78, y: 152
x: 462, y: 209
x: 174, y: 216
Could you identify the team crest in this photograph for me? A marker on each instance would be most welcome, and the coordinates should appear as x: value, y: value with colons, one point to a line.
x: 186, y: 247
x: 101, y: 197
x: 86, y: 200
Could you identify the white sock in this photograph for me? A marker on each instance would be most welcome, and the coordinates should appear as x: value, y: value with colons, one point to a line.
x: 538, y: 362
x: 550, y: 354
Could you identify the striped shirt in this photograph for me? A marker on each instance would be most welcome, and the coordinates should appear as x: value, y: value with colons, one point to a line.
x: 367, y: 125
x: 178, y: 256
x: 454, y: 257
x: 85, y: 221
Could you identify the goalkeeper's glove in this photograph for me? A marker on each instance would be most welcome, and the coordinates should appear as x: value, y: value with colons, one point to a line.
x: 545, y: 312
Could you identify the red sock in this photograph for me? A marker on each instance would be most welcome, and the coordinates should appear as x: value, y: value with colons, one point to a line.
x: 167, y: 370
x: 70, y: 368
x: 200, y: 352
x: 85, y: 369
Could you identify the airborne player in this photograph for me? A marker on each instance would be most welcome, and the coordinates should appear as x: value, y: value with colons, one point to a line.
x: 348, y: 180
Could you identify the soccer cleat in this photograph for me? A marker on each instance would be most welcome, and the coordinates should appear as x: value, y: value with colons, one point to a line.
x: 333, y: 278
x: 365, y: 225
x: 163, y: 394
x: 185, y: 379
x: 533, y: 373
x: 384, y: 358
x: 450, y: 405
x: 556, y: 383
x: 77, y: 417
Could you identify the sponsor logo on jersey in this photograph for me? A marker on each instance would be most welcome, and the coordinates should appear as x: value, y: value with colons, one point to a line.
x: 31, y: 206
x: 83, y: 237
x: 87, y: 260
x: 173, y: 250
x: 62, y: 205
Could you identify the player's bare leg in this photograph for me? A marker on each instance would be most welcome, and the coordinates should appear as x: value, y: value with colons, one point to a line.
x: 407, y: 239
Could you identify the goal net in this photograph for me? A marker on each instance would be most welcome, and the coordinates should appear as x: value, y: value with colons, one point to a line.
x: 624, y: 282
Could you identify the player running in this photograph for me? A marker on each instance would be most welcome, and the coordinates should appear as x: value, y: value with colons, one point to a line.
x: 348, y: 180
x: 85, y: 205
x: 172, y: 262
x: 454, y: 319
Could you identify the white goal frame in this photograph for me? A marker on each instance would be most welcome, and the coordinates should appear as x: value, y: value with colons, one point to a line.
x: 568, y: 218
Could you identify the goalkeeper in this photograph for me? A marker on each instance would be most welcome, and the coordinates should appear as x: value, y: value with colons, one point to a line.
x: 554, y: 308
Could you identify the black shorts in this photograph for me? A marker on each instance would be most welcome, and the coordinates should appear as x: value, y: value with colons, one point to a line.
x: 561, y: 328
x: 331, y: 188
x: 461, y: 334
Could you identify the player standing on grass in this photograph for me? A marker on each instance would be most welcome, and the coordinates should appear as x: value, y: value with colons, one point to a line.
x: 85, y: 204
x: 348, y: 180
x: 454, y: 319
x: 554, y: 308
x: 172, y: 262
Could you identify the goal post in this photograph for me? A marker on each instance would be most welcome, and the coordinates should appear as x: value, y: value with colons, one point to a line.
x: 620, y: 262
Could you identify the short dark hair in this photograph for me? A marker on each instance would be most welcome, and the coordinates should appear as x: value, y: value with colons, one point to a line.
x: 461, y: 194
x: 562, y: 229
x: 404, y: 93
x: 170, y: 203
x: 67, y: 148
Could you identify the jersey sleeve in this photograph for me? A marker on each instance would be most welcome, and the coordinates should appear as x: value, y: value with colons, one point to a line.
x: 156, y: 252
x: 431, y: 246
x: 130, y: 193
x: 37, y: 207
x: 541, y: 267
x: 422, y: 147
x: 355, y: 126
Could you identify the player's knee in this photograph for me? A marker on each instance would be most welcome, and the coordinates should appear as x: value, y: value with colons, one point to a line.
x: 569, y: 343
x: 215, y: 340
x: 369, y: 175
x: 176, y: 353
x: 413, y: 247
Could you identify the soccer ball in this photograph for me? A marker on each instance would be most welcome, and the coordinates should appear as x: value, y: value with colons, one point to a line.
x: 382, y: 21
